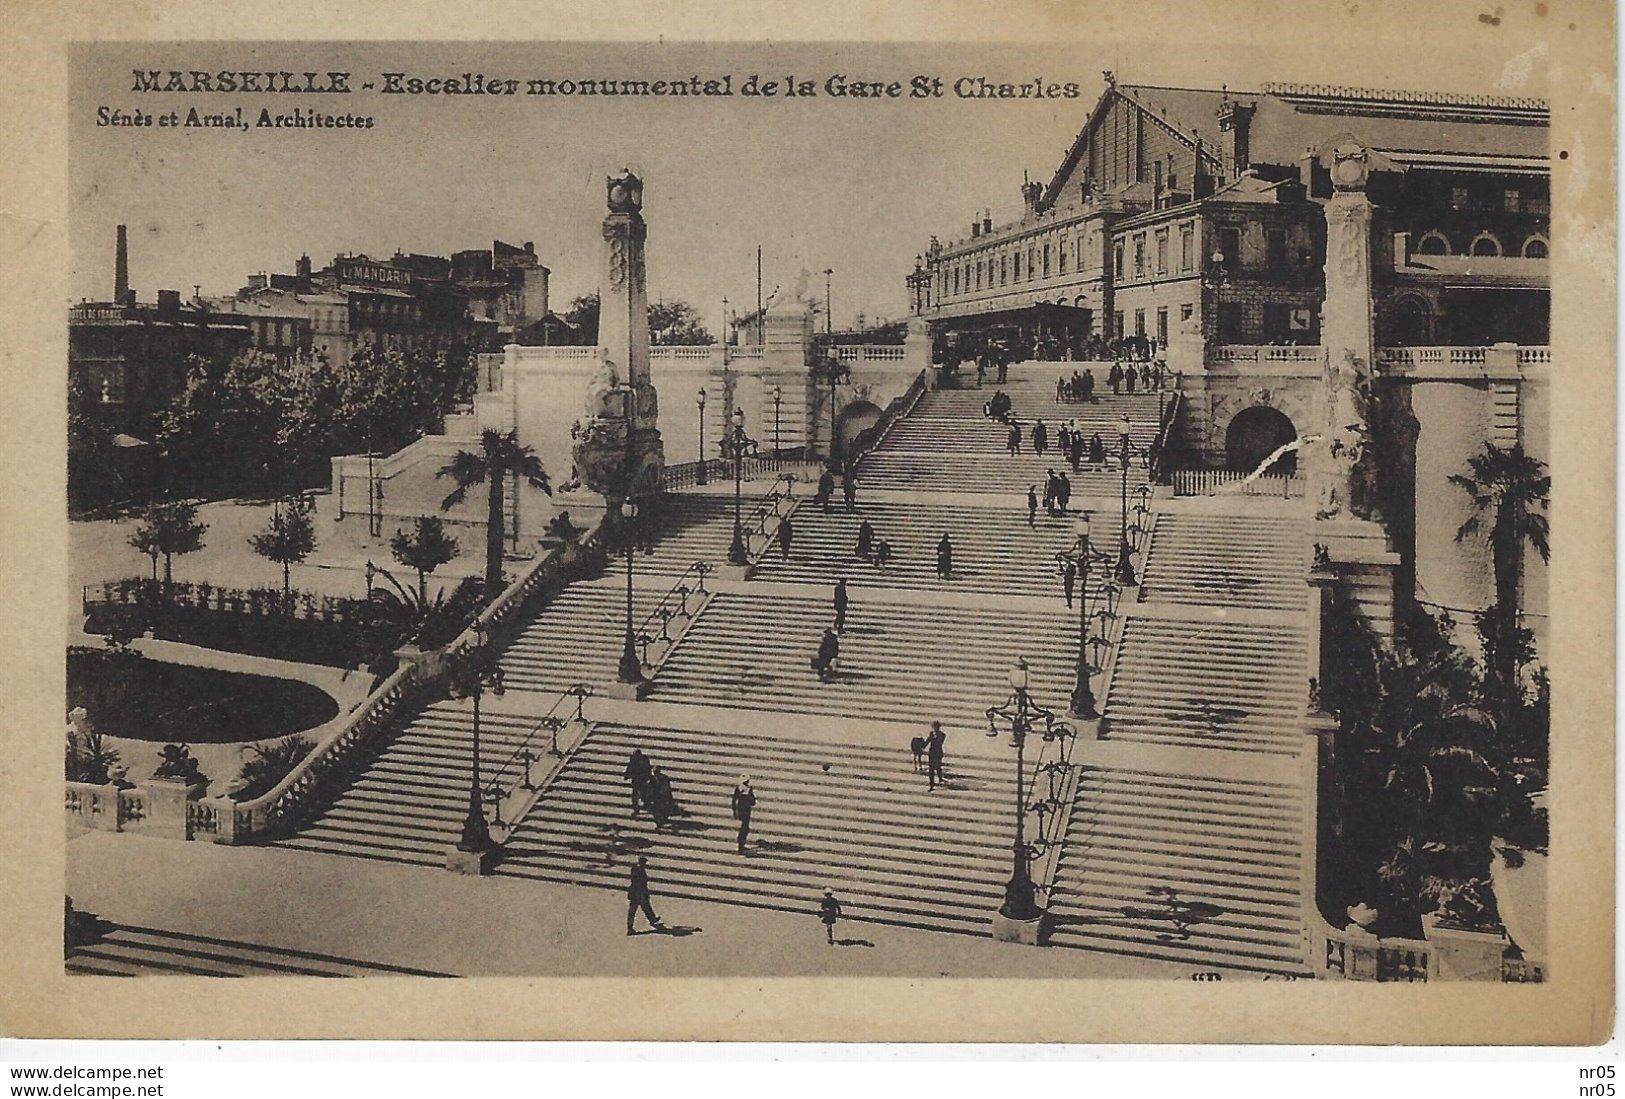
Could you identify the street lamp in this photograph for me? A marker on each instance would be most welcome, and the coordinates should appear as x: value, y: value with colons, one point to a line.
x: 699, y: 477
x: 631, y: 669
x: 778, y: 402
x: 474, y: 670
x: 736, y: 445
x: 834, y: 372
x: 1126, y: 449
x: 829, y: 316
x: 1021, y: 712
x: 1079, y: 557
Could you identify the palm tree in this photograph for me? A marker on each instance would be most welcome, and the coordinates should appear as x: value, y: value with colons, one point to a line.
x: 1510, y: 491
x: 500, y: 456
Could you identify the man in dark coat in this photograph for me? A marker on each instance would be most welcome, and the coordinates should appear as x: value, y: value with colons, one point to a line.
x: 1097, y: 450
x: 637, y: 895
x: 1115, y: 377
x: 933, y: 755
x: 785, y: 533
x: 1013, y: 443
x: 826, y: 489
x: 829, y: 650
x: 1128, y: 380
x: 1063, y: 491
x: 1032, y: 505
x: 841, y: 601
x: 1075, y: 454
x: 829, y: 910
x: 849, y: 490
x: 882, y: 554
x: 1088, y: 385
x: 637, y: 773
x: 1040, y: 437
x: 662, y: 802
x: 743, y: 804
x: 866, y: 539
x: 945, y: 559
x: 1069, y: 579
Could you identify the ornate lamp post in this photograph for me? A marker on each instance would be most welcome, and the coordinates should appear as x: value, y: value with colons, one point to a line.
x: 473, y: 671
x: 631, y: 669
x: 829, y: 316
x: 736, y: 445
x: 1125, y: 553
x: 1079, y: 557
x: 1020, y: 712
x: 778, y: 402
x: 699, y: 477
x: 834, y: 371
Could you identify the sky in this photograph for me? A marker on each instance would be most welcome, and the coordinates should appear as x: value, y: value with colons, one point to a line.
x: 854, y: 185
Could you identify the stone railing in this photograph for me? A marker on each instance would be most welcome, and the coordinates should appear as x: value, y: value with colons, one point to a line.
x: 1501, y: 356
x: 1357, y: 955
x: 870, y: 439
x: 156, y: 807
x: 869, y: 353
x: 1207, y: 482
x: 1265, y: 354
x: 720, y: 470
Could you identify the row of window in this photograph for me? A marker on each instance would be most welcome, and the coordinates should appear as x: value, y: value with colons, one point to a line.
x: 1015, y: 264
x: 1435, y: 243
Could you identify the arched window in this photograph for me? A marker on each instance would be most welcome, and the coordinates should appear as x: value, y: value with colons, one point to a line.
x: 1536, y: 248
x: 1433, y: 243
x: 1485, y: 244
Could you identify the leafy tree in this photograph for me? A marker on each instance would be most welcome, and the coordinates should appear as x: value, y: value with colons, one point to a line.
x: 169, y: 530
x: 500, y: 456
x: 670, y: 322
x: 288, y: 538
x: 424, y: 549
x: 1510, y: 492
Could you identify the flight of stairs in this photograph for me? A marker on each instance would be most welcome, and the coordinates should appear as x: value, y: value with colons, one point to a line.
x: 1210, y: 685
x: 947, y: 444
x: 993, y: 549
x: 145, y: 951
x: 578, y: 637
x: 851, y: 818
x: 898, y: 662
x: 696, y: 526
x: 1228, y: 560
x: 409, y: 805
x: 1180, y: 867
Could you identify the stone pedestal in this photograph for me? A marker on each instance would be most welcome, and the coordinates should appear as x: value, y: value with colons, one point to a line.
x: 1360, y: 561
x: 1027, y: 932
x: 727, y: 570
x: 482, y: 862
x: 627, y: 692
x: 165, y: 809
x: 1462, y: 955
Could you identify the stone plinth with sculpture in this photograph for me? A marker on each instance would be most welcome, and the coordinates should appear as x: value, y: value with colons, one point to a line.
x: 617, y: 447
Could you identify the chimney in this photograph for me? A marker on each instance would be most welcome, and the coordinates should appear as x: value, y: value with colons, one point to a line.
x: 1236, y: 119
x: 975, y: 228
x: 530, y: 248
x: 169, y: 301
x: 121, y: 267
x: 302, y: 267
x: 987, y: 221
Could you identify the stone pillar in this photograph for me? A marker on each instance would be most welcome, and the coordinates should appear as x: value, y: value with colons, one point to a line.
x: 1341, y: 475
x: 619, y: 449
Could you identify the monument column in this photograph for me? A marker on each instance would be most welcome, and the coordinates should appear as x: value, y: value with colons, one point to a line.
x: 618, y: 449
x: 1349, y: 540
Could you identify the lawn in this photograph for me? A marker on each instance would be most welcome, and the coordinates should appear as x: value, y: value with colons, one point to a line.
x: 133, y: 697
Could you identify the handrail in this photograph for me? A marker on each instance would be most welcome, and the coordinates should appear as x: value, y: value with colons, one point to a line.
x: 665, y: 614
x: 549, y: 721
x: 895, y: 412
x: 1159, y: 448
x: 755, y: 525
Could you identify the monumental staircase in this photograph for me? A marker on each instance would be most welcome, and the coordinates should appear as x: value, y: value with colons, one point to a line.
x: 1187, y: 839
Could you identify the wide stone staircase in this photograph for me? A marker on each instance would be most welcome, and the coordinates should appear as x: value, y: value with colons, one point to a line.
x: 993, y: 549
x: 1252, y: 560
x: 410, y: 803
x: 853, y: 818
x: 127, y: 951
x: 578, y: 637
x: 1183, y: 867
x: 947, y: 444
x: 902, y: 662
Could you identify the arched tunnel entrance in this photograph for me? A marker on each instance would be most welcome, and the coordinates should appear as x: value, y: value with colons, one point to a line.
x: 1254, y: 434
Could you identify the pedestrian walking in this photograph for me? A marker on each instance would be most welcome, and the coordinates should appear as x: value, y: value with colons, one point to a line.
x: 1128, y: 380
x: 829, y: 652
x: 1075, y: 455
x: 866, y: 539
x: 934, y: 743
x: 1145, y: 377
x: 1069, y: 579
x: 785, y: 533
x: 1115, y: 377
x: 638, y: 896
x: 1040, y: 437
x: 1063, y: 491
x: 662, y: 802
x: 882, y: 554
x: 826, y: 489
x: 1032, y: 505
x: 743, y: 803
x: 1063, y: 439
x: 841, y: 600
x: 637, y: 774
x: 1013, y: 443
x: 1049, y: 491
x: 849, y: 491
x: 1097, y: 450
x: 945, y: 559
x: 829, y: 910
x: 1003, y: 358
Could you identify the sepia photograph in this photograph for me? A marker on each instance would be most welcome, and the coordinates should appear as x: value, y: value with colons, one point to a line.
x: 1074, y: 511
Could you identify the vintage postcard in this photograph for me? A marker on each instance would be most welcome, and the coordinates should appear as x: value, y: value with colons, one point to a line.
x: 1066, y: 523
